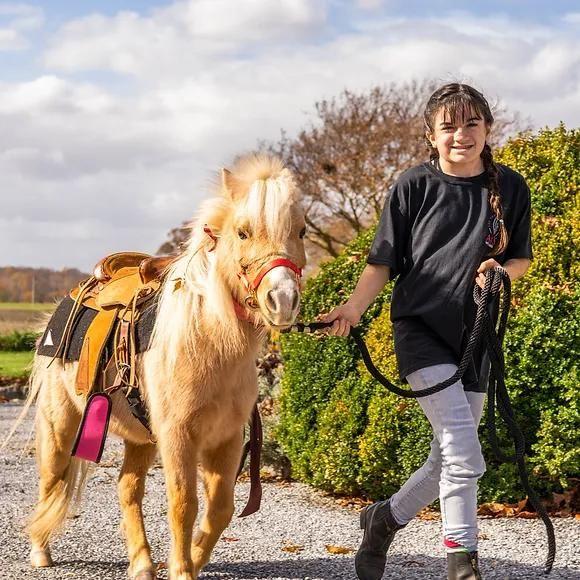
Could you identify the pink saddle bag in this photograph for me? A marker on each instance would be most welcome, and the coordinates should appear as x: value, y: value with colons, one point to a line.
x: 92, y: 433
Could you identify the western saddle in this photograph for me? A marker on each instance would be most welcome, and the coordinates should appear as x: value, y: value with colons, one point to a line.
x: 121, y: 287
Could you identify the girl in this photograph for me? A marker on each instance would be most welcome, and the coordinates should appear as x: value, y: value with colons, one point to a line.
x: 444, y: 224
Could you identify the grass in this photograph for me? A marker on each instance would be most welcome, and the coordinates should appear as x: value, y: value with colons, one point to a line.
x: 29, y: 306
x: 15, y: 364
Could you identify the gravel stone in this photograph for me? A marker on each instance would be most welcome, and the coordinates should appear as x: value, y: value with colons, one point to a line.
x: 286, y: 540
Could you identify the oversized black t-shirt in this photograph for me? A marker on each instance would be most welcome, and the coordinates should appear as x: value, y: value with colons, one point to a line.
x: 432, y: 236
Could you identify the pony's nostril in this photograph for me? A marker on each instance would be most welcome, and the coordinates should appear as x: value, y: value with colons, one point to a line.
x: 272, y: 305
x: 295, y: 301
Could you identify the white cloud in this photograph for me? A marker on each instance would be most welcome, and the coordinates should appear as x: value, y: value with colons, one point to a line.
x: 204, y: 83
x: 183, y: 36
x: 572, y: 17
x: 16, y: 21
x: 370, y: 4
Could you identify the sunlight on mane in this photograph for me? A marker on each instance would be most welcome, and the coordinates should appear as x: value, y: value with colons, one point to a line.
x: 263, y: 191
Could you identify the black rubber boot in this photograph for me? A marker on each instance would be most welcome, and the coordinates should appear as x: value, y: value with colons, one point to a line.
x: 463, y: 566
x: 380, y: 527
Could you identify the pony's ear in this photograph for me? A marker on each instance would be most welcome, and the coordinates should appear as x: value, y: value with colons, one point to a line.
x: 228, y: 182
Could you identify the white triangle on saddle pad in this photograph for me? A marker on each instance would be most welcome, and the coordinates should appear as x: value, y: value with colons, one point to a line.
x: 48, y: 339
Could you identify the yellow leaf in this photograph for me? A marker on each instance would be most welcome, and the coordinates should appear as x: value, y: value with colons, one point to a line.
x: 292, y: 548
x: 338, y: 549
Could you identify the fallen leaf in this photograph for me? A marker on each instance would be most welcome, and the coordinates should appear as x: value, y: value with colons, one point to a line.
x: 527, y: 515
x: 292, y: 548
x: 338, y: 549
x: 230, y: 539
x: 521, y: 505
x: 429, y: 515
x: 161, y: 566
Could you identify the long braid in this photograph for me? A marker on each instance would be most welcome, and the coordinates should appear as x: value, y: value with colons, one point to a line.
x: 495, y: 199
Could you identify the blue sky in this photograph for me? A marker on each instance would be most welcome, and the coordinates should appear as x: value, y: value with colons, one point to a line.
x: 138, y: 104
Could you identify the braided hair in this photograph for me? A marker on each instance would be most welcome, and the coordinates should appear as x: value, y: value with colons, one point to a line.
x: 458, y: 102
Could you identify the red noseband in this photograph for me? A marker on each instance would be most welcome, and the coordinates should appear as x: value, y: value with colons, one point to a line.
x: 251, y: 300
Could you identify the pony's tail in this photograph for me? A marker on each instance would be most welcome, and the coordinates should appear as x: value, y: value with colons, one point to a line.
x: 34, y: 386
x: 51, y: 513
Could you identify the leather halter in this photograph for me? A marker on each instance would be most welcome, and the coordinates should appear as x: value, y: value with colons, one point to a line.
x: 251, y: 300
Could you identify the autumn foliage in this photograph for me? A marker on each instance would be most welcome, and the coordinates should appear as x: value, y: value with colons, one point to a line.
x: 36, y: 284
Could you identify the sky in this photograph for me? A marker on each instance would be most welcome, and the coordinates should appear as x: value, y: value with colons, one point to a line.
x: 115, y: 117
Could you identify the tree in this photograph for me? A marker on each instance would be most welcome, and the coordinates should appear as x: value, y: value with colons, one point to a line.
x: 176, y: 238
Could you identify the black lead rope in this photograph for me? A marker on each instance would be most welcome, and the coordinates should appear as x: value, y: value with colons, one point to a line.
x: 497, y: 394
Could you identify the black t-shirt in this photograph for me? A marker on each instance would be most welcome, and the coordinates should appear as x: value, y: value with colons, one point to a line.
x: 432, y: 236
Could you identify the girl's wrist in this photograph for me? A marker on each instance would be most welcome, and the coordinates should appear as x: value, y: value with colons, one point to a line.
x: 358, y: 308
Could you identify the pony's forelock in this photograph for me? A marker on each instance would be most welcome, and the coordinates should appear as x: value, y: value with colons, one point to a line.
x: 195, y: 290
x: 267, y: 192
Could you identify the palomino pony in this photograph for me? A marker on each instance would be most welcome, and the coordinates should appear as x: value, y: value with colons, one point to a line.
x: 198, y: 378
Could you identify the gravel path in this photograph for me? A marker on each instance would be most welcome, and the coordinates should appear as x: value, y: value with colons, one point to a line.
x: 286, y: 540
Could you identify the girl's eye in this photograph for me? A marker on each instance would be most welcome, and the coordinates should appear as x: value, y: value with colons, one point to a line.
x: 302, y: 233
x: 242, y: 235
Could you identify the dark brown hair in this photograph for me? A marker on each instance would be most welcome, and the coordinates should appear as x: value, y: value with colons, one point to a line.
x: 459, y: 102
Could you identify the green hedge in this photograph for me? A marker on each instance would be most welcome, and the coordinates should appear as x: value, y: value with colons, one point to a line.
x: 18, y: 341
x: 344, y: 432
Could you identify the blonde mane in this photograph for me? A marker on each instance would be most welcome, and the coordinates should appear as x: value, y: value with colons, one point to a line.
x: 196, y: 299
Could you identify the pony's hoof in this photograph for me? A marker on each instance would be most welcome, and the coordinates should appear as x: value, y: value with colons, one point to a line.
x: 145, y: 575
x: 40, y: 558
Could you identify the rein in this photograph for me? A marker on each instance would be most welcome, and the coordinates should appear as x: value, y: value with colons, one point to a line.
x: 497, y: 392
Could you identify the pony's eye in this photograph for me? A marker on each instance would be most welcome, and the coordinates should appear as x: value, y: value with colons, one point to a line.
x: 242, y: 235
x: 302, y: 232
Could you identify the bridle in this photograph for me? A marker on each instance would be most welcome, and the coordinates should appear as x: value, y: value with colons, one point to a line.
x: 251, y: 300
x: 251, y: 286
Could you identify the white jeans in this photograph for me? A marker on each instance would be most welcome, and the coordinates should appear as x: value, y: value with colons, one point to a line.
x: 455, y: 462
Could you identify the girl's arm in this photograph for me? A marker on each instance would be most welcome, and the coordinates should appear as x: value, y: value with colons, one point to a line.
x: 516, y: 268
x: 371, y: 282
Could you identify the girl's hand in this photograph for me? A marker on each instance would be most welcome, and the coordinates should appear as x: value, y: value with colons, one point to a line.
x: 344, y: 316
x: 483, y: 268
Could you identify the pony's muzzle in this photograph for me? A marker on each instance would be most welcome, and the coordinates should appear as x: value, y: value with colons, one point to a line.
x: 282, y: 305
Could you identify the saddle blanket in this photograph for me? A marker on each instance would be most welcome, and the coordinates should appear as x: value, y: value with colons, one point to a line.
x: 52, y: 336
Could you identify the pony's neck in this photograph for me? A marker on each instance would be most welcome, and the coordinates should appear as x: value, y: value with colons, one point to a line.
x: 196, y: 314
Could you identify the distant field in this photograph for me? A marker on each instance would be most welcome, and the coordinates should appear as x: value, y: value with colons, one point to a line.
x: 28, y: 306
x: 22, y: 316
x: 14, y: 364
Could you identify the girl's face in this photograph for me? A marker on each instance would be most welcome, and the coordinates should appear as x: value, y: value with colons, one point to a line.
x: 459, y: 144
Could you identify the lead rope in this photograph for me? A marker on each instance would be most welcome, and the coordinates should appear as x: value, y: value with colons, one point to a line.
x: 497, y: 392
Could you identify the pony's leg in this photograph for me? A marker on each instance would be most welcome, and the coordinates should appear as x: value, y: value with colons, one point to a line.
x: 57, y: 421
x: 179, y: 456
x: 220, y: 467
x: 138, y: 459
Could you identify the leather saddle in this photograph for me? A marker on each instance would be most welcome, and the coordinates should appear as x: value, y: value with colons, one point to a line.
x: 121, y: 286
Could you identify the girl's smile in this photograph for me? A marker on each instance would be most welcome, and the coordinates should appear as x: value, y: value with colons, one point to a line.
x: 459, y: 143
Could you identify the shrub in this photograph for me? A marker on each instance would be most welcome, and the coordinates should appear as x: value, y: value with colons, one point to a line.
x: 18, y: 341
x: 344, y: 432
